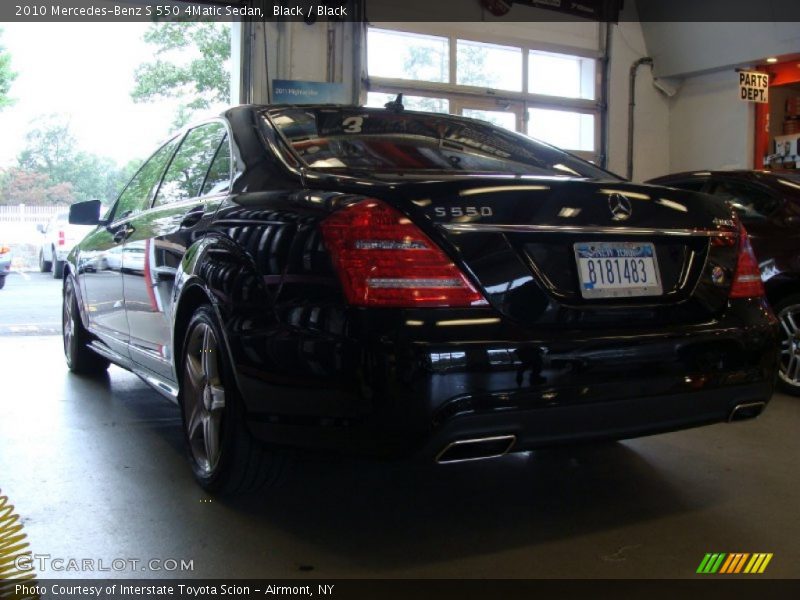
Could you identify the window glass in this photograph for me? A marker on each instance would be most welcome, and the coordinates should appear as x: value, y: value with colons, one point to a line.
x: 561, y: 75
x: 401, y: 55
x: 568, y: 130
x: 421, y: 103
x: 489, y: 66
x: 188, y: 168
x: 219, y: 175
x: 750, y: 202
x: 137, y: 195
x: 501, y: 118
x: 380, y: 141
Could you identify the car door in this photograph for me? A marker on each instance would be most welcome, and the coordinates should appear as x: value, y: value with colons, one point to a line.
x: 99, y: 266
x: 194, y: 184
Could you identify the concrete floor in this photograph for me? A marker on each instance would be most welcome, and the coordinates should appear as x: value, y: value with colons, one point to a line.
x: 96, y: 469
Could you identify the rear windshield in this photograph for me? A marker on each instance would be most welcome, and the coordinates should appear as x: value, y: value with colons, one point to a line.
x: 381, y: 141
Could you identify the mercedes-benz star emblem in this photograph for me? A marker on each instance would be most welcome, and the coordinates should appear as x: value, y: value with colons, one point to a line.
x: 620, y: 207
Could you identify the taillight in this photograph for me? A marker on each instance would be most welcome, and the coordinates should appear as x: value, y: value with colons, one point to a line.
x: 5, y: 249
x: 61, y: 238
x: 383, y: 259
x: 747, y: 279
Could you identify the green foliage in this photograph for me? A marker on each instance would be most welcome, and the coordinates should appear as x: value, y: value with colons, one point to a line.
x: 421, y: 63
x: 192, y: 64
x: 7, y: 76
x: 52, y: 170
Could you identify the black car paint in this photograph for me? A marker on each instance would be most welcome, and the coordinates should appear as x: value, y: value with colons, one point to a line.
x: 775, y: 237
x: 537, y: 362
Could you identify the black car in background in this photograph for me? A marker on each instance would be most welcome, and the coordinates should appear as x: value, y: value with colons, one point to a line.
x: 768, y: 204
x: 402, y: 284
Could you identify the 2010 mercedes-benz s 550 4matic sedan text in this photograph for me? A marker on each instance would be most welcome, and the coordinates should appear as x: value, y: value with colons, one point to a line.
x: 402, y: 284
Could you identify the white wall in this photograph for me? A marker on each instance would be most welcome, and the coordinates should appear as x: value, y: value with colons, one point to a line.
x: 652, y: 118
x: 711, y: 128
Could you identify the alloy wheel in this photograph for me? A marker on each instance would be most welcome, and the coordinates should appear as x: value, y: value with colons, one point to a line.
x: 204, y: 397
x: 68, y: 319
x: 789, y: 369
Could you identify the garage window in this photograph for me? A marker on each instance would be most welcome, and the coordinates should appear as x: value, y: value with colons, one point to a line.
x: 489, y: 66
x: 408, y: 56
x: 551, y: 96
x: 561, y: 75
x: 565, y: 129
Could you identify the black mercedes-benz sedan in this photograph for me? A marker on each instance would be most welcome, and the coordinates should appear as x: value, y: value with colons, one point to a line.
x: 400, y: 284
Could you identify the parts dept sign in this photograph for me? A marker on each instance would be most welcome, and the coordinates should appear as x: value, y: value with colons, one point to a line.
x: 754, y: 86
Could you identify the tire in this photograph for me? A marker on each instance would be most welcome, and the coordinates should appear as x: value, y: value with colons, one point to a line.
x: 80, y: 358
x: 45, y: 266
x: 2, y: 282
x: 224, y: 456
x: 58, y: 267
x: 788, y: 312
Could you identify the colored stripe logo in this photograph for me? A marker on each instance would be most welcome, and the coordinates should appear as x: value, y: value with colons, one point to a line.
x: 731, y: 564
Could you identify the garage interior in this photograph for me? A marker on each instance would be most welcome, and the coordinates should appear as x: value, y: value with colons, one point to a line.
x: 96, y: 468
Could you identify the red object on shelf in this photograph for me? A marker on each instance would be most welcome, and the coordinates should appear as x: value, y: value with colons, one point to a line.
x: 791, y: 126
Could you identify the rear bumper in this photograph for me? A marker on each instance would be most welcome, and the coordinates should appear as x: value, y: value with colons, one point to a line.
x: 410, y: 391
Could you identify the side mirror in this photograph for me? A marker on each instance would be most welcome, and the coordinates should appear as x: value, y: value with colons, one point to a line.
x: 85, y: 213
x: 40, y: 227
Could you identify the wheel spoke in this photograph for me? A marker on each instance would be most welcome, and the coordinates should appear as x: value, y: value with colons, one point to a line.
x: 194, y: 369
x: 195, y: 420
x: 217, y: 398
x: 786, y: 327
x: 210, y: 356
x: 211, y: 432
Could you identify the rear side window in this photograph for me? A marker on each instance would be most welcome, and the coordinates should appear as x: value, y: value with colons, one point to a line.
x: 219, y: 175
x: 187, y: 171
x: 137, y: 195
x: 752, y: 203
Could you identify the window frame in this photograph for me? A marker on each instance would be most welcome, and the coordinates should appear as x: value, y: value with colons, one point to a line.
x: 467, y: 96
x: 112, y: 214
x: 183, y: 137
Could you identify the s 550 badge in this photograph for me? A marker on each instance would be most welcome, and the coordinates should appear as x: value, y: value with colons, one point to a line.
x: 463, y: 211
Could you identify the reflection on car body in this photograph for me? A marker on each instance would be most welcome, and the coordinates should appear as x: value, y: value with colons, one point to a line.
x: 292, y: 280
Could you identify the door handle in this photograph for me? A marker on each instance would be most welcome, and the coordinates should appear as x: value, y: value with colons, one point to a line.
x: 193, y: 217
x: 120, y: 235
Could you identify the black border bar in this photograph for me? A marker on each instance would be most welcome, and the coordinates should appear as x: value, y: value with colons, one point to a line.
x: 709, y: 587
x: 495, y: 11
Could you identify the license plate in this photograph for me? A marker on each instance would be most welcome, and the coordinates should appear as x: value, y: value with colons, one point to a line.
x: 617, y: 269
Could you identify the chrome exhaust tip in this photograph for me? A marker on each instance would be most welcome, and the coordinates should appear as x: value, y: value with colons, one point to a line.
x: 476, y: 449
x: 746, y: 410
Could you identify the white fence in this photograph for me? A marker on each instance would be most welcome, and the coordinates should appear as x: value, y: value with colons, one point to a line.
x: 21, y: 213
